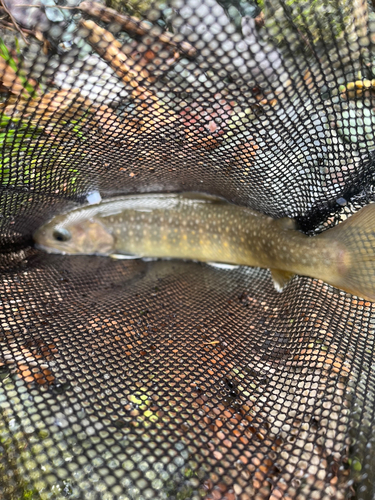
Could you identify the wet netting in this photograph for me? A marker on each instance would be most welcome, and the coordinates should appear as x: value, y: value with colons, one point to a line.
x: 166, y: 379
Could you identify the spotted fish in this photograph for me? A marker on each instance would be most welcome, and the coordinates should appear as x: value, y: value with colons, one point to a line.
x: 209, y: 229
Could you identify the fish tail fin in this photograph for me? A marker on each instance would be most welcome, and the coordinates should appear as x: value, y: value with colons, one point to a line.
x: 355, y: 266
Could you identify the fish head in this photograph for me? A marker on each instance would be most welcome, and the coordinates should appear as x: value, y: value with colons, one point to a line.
x: 85, y: 237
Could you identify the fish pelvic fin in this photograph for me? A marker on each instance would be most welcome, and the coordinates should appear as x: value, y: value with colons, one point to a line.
x: 354, y: 268
x: 280, y: 278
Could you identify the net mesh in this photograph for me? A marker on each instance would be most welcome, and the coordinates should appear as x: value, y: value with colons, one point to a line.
x: 179, y: 380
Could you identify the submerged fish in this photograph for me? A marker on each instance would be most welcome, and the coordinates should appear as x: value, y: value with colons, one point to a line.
x: 208, y: 229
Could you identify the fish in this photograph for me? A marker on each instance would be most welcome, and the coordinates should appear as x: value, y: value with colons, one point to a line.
x: 209, y: 229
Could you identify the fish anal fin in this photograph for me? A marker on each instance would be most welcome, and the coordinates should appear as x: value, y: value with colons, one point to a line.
x: 280, y: 278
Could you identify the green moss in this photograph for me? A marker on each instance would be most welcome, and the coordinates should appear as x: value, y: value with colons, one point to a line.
x: 12, y: 448
x: 30, y: 156
x: 313, y: 22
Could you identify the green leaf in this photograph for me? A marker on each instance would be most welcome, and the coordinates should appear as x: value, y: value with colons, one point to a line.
x: 5, y: 54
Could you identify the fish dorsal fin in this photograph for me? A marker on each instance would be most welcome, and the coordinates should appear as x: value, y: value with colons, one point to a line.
x: 286, y: 223
x: 280, y: 278
x: 203, y: 197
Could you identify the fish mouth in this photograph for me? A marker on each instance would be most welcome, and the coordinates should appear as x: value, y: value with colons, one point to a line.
x: 56, y: 251
x: 47, y: 249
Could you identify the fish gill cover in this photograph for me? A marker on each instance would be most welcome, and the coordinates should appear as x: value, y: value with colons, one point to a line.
x: 150, y: 379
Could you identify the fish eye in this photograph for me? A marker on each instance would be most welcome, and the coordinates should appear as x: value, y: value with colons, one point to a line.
x: 61, y: 234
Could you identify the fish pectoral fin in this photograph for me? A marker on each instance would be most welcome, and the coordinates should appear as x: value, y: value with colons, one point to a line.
x: 280, y: 278
x: 121, y: 256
